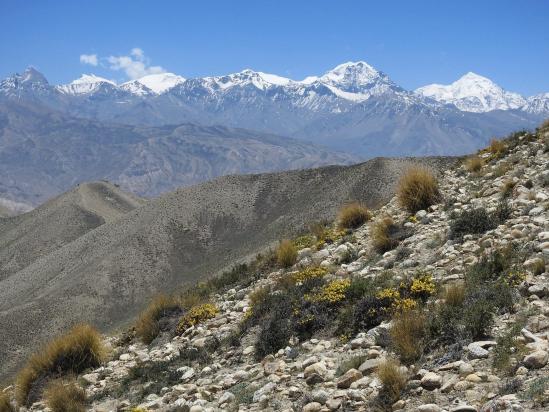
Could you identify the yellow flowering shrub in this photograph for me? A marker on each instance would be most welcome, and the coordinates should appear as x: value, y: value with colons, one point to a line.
x: 304, y: 241
x: 196, y: 315
x: 423, y: 285
x: 514, y: 278
x: 333, y: 292
x: 405, y: 304
x: 388, y: 293
x: 310, y: 272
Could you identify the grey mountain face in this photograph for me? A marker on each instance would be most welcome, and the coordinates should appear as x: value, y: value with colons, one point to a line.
x: 43, y: 153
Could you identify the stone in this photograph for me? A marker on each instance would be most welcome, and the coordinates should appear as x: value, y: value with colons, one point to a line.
x: 431, y: 381
x: 430, y: 407
x: 465, y: 369
x: 345, y: 381
x: 318, y: 368
x: 476, y: 351
x: 369, y: 365
x: 473, y: 377
x: 248, y: 350
x: 227, y: 397
x: 536, y: 360
x: 464, y: 408
x: 333, y: 404
x: 312, y: 407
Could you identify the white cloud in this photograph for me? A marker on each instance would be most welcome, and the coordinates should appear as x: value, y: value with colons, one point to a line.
x: 135, y: 65
x: 89, y: 59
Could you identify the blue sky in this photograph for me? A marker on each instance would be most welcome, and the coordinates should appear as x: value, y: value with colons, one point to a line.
x: 414, y: 42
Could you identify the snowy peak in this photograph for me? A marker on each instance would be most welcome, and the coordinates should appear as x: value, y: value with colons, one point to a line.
x: 351, y: 73
x: 31, y: 75
x: 538, y: 104
x: 473, y: 93
x: 86, y: 84
x: 259, y: 80
x: 159, y: 83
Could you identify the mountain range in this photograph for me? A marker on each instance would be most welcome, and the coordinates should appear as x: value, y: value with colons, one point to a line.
x: 163, y: 130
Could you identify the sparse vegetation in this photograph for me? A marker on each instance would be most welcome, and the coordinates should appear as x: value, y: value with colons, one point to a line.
x: 536, y: 392
x: 407, y: 334
x: 474, y: 164
x: 497, y: 148
x: 418, y: 189
x: 353, y: 215
x: 5, y: 403
x: 196, y: 315
x: 382, y: 234
x: 353, y: 362
x: 475, y: 221
x: 81, y: 348
x: 65, y: 396
x: 507, y: 346
x: 286, y: 253
x: 147, y: 326
x: 507, y: 188
x: 393, y: 380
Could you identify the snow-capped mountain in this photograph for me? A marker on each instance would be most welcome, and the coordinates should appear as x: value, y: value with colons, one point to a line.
x: 28, y: 84
x: 538, y: 104
x: 352, y: 107
x: 86, y: 84
x: 153, y: 83
x: 473, y: 93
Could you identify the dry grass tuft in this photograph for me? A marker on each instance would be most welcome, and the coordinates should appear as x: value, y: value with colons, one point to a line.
x: 81, y: 348
x: 392, y: 379
x: 63, y: 396
x: 507, y: 188
x: 418, y: 189
x: 474, y: 164
x: 286, y: 253
x: 407, y: 335
x: 147, y: 327
x: 454, y: 294
x: 497, y: 148
x: 353, y: 215
x: 5, y: 402
x: 380, y: 232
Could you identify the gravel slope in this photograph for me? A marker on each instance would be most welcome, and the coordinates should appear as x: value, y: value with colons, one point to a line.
x: 106, y: 274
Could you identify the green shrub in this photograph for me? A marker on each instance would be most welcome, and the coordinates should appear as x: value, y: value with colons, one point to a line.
x: 536, y: 392
x: 353, y: 215
x: 286, y: 253
x: 353, y: 362
x: 63, y: 396
x: 475, y: 221
x: 417, y: 189
x: 81, y: 348
x: 275, y: 330
x: 506, y: 346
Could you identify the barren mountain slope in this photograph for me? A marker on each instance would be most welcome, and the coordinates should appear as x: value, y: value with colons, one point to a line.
x: 29, y: 236
x: 107, y: 275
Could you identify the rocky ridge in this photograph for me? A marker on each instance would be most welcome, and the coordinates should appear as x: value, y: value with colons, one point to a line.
x: 191, y: 372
